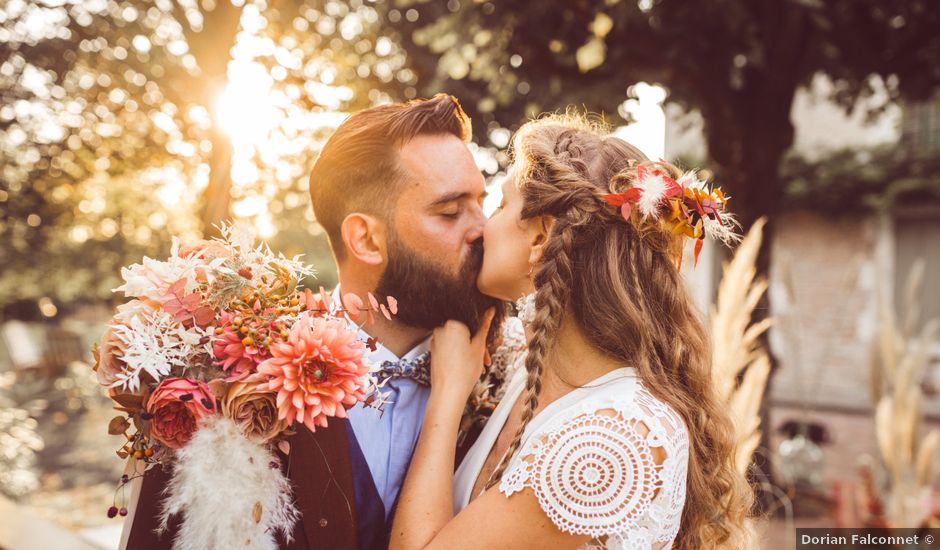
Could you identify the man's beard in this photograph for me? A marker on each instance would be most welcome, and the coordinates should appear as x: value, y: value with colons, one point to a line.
x: 428, y: 294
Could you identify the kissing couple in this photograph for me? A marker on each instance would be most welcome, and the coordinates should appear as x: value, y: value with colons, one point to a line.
x: 588, y: 420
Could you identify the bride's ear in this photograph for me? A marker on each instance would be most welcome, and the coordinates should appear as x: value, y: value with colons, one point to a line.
x: 540, y: 229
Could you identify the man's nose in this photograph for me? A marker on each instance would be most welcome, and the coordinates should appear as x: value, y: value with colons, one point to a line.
x: 479, y: 221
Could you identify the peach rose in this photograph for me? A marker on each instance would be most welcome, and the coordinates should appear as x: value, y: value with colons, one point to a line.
x: 254, y: 408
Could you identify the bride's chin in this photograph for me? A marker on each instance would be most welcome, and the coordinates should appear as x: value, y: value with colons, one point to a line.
x: 490, y: 287
x: 482, y: 286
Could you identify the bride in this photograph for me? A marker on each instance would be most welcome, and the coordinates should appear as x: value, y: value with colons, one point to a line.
x: 612, y: 436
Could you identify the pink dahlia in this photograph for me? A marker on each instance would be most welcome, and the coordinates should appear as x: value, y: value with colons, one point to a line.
x: 229, y: 348
x: 318, y: 372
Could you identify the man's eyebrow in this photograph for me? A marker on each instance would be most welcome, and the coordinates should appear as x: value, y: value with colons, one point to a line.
x: 454, y: 196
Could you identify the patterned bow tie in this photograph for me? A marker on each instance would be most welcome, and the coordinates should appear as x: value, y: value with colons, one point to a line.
x: 417, y: 369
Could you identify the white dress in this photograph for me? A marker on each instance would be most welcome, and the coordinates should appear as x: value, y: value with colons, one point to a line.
x: 588, y: 458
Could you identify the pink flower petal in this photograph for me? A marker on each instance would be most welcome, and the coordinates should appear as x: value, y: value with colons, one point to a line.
x: 353, y: 304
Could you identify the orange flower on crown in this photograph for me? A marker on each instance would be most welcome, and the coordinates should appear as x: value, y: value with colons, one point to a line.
x: 686, y: 205
x: 317, y: 372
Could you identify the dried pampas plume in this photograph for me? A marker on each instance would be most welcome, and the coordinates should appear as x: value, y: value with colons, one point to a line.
x: 228, y: 493
x: 899, y: 362
x: 737, y: 348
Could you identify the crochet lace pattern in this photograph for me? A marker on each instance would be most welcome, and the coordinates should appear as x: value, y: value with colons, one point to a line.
x: 594, y: 471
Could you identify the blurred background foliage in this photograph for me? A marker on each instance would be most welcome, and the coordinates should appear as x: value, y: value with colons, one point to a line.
x: 851, y: 182
x: 126, y: 121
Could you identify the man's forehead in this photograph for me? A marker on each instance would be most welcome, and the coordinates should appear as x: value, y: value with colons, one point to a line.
x: 441, y: 164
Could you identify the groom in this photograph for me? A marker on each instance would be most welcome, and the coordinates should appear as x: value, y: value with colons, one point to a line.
x: 400, y: 198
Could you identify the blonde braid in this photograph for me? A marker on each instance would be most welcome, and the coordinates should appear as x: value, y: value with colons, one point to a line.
x: 574, y: 202
x: 551, y: 283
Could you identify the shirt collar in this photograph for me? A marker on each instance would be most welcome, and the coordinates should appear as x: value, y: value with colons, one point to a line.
x: 382, y: 353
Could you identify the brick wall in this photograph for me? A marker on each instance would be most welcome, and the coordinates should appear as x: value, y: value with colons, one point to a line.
x: 824, y: 333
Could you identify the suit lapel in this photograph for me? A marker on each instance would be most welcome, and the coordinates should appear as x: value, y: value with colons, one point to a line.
x: 320, y: 470
x: 145, y: 522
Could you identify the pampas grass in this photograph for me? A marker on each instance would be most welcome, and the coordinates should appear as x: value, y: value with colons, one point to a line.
x: 228, y: 493
x: 736, y: 348
x: 899, y: 362
x: 740, y: 365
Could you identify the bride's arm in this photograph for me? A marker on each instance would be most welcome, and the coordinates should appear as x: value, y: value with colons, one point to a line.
x: 425, y: 514
x: 426, y: 503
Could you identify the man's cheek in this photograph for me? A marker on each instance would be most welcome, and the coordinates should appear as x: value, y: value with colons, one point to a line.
x: 445, y: 243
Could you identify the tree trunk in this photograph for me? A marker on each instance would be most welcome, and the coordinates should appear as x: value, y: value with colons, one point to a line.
x: 211, y: 46
x: 749, y: 164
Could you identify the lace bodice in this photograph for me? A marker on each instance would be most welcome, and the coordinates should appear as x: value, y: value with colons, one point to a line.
x: 508, y: 358
x: 607, y: 460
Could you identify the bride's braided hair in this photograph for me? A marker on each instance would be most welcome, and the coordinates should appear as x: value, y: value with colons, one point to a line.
x: 619, y: 281
x: 573, y: 203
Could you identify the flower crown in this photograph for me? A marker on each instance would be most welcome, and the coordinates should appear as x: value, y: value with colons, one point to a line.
x: 687, y: 205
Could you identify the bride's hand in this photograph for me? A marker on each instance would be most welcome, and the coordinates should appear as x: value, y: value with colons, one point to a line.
x: 457, y: 358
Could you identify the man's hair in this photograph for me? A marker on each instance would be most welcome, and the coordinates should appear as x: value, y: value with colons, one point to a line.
x: 358, y: 169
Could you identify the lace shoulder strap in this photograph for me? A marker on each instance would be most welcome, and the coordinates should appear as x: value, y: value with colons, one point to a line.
x: 616, y: 473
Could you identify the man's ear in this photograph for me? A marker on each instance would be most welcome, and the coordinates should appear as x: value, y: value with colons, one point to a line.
x: 540, y: 228
x: 364, y: 237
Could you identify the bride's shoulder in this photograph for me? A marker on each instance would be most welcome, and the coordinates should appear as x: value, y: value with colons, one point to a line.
x: 512, y: 340
x: 622, y: 393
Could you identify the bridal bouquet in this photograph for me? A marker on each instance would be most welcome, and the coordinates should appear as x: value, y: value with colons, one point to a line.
x: 214, y: 358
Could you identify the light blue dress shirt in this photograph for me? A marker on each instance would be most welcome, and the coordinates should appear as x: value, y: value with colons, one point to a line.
x: 388, y: 437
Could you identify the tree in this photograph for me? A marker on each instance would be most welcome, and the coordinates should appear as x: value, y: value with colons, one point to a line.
x: 123, y: 62
x: 93, y: 95
x: 109, y: 143
x: 738, y: 62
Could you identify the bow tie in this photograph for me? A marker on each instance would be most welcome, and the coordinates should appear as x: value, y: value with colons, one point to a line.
x: 417, y: 369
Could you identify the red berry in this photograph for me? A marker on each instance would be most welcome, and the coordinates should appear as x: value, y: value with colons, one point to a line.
x: 123, y: 511
x: 112, y: 511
